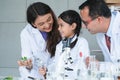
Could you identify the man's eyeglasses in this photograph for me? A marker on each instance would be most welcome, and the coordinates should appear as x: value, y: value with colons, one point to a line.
x: 88, y: 22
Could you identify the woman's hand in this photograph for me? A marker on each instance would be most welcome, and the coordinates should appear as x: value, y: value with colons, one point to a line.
x: 42, y: 71
x: 27, y: 63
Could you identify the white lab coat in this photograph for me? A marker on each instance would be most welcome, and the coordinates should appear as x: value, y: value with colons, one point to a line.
x: 80, y: 47
x: 114, y: 54
x: 33, y: 45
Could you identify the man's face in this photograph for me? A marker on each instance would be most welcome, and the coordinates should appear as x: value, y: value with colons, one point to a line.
x: 91, y: 24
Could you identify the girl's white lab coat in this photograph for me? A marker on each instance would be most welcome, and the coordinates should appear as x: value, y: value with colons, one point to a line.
x: 114, y: 55
x: 80, y: 47
x: 33, y: 45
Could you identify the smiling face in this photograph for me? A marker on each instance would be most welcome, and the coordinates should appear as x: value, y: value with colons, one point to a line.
x: 44, y: 23
x: 66, y: 30
x: 93, y: 25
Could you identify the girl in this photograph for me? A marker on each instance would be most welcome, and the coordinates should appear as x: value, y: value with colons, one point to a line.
x: 73, y: 49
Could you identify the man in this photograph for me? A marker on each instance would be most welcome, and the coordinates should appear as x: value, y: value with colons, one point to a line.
x: 99, y: 20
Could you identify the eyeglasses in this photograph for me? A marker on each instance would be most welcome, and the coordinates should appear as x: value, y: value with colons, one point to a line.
x: 89, y: 21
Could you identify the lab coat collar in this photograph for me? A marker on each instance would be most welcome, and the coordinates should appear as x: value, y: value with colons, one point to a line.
x: 67, y: 41
x: 74, y: 38
x: 116, y: 28
x: 109, y: 32
x: 34, y: 30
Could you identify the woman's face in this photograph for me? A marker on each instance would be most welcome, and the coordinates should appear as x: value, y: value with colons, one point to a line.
x: 66, y: 30
x: 44, y: 23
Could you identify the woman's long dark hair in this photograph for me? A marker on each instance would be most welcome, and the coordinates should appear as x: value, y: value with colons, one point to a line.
x: 40, y: 9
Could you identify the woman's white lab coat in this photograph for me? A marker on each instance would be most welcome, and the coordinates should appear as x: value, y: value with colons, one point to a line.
x: 80, y: 47
x: 33, y: 46
x: 114, y: 53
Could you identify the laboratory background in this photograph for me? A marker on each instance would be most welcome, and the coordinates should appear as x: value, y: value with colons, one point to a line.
x: 13, y: 20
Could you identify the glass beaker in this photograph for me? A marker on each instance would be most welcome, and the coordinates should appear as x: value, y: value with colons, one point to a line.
x: 106, y: 71
x: 92, y: 68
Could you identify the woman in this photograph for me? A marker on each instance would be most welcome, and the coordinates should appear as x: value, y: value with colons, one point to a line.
x: 38, y: 40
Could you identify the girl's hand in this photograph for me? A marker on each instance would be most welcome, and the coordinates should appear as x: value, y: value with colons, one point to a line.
x: 43, y: 71
x: 87, y: 61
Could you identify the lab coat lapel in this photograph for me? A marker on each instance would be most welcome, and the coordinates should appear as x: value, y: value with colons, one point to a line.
x: 39, y: 46
x: 39, y: 41
x: 101, y: 41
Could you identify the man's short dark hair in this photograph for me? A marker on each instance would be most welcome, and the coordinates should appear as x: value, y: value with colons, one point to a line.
x: 96, y: 8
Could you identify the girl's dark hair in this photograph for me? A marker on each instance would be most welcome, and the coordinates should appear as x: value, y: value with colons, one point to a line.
x: 96, y: 8
x: 40, y: 9
x: 70, y: 17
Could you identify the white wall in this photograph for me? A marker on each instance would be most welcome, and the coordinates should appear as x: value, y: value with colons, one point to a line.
x: 13, y: 20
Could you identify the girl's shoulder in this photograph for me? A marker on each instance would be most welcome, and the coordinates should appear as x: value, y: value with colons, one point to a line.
x: 82, y: 39
x: 82, y: 42
x: 59, y: 44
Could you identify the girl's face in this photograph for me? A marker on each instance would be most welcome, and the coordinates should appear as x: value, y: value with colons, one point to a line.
x: 44, y: 23
x: 66, y: 30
